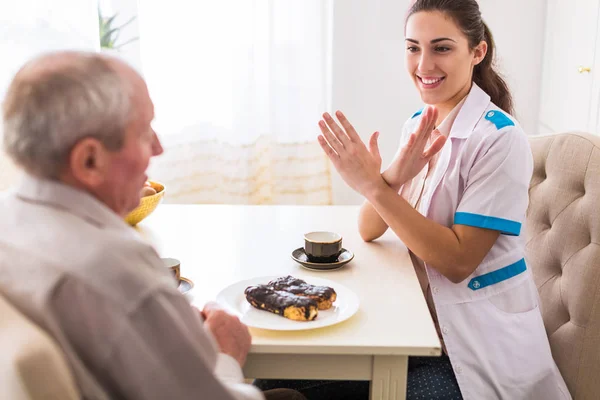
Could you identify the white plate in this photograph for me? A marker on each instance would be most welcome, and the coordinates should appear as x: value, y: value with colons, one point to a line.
x: 233, y: 298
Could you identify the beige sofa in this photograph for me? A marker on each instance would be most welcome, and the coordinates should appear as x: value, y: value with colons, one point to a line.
x: 563, y: 251
x: 32, y: 367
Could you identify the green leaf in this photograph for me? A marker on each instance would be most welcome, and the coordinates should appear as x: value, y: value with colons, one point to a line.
x: 127, y: 23
x: 127, y: 42
x: 110, y: 20
x: 108, y: 34
x: 112, y: 31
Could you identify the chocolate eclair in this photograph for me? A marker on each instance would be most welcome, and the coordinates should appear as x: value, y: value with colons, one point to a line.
x: 323, y: 295
x: 286, y: 304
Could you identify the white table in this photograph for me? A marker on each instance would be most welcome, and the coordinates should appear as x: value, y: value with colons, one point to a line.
x: 219, y: 245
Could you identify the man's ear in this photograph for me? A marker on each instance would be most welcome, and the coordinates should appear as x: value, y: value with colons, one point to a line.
x: 479, y: 52
x: 88, y: 162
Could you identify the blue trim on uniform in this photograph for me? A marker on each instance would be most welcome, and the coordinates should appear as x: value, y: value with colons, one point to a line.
x: 499, y: 275
x: 499, y: 119
x: 417, y: 113
x: 505, y: 226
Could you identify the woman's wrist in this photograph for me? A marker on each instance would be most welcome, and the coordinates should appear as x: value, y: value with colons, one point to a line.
x: 391, y: 180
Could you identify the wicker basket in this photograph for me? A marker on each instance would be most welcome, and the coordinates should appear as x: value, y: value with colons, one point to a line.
x: 147, y: 204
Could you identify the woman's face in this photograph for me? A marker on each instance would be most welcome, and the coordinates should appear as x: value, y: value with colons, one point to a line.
x: 438, y: 58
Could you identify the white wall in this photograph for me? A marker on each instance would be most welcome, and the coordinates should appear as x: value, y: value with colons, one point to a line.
x: 29, y: 28
x: 125, y: 9
x: 370, y: 83
x: 518, y: 28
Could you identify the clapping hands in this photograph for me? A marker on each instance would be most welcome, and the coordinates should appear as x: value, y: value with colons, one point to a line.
x: 360, y: 167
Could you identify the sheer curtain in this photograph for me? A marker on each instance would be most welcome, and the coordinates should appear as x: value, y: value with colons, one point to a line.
x: 238, y: 88
x: 32, y: 27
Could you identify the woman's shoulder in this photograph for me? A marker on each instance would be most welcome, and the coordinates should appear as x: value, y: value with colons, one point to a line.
x: 495, y: 119
x: 413, y: 120
x: 497, y: 134
x: 496, y: 124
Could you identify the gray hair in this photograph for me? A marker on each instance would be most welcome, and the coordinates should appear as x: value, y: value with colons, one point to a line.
x: 46, y: 114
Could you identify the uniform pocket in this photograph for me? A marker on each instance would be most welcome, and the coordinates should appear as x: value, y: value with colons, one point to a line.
x: 522, y: 298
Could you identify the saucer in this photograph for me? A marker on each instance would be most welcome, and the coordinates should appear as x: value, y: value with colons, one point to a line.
x: 300, y: 256
x: 305, y: 266
x: 185, y: 285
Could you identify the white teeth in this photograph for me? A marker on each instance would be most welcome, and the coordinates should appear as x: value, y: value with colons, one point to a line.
x: 430, y: 81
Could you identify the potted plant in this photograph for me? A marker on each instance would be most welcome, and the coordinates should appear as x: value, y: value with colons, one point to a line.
x: 109, y: 34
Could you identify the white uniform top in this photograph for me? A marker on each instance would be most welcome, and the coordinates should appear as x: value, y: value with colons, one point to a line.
x: 491, y: 322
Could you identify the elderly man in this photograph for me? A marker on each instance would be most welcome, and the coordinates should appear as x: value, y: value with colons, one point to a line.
x: 79, y: 125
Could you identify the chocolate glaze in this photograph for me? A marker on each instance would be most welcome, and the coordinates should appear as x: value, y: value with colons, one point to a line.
x: 301, y: 288
x: 277, y: 301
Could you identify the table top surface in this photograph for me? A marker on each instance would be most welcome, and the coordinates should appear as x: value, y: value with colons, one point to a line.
x: 219, y: 245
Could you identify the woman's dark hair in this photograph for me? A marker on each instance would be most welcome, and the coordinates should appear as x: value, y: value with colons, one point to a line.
x: 467, y: 16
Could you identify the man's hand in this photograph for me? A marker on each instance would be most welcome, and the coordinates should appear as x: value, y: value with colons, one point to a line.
x: 232, y: 336
x: 413, y: 157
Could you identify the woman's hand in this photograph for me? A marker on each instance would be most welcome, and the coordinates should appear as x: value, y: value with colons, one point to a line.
x: 358, y: 166
x: 413, y: 156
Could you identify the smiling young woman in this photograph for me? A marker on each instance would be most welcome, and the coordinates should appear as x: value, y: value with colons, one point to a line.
x: 456, y: 195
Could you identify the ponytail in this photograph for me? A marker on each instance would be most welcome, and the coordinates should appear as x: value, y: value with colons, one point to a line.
x: 489, y: 80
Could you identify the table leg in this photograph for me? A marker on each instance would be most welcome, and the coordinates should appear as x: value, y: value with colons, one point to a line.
x: 389, y: 378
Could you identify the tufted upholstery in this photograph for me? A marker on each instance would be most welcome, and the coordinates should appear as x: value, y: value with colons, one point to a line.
x: 563, y: 251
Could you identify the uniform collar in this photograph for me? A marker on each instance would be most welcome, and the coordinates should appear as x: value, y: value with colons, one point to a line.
x: 470, y: 113
x: 446, y: 125
x: 75, y: 201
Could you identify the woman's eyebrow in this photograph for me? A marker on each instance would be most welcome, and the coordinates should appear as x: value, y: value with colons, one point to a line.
x: 432, y: 42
